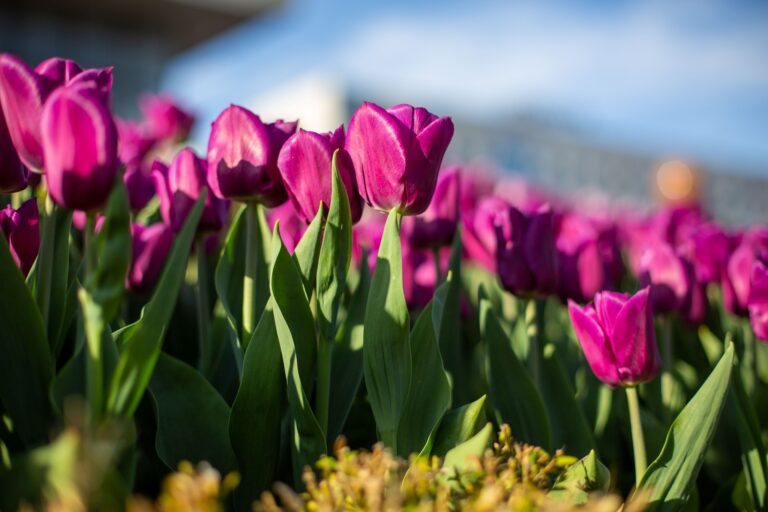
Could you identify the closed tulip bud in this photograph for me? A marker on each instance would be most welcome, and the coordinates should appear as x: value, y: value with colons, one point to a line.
x: 707, y: 248
x: 618, y: 337
x: 20, y: 228
x: 526, y: 258
x: 437, y: 225
x: 22, y: 93
x: 479, y: 235
x: 738, y: 273
x: 180, y: 185
x: 164, y: 119
x: 582, y: 270
x: 669, y: 278
x: 397, y: 155
x: 13, y: 174
x: 242, y: 157
x: 305, y: 166
x: 59, y: 71
x: 150, y: 247
x: 758, y: 300
x: 80, y: 148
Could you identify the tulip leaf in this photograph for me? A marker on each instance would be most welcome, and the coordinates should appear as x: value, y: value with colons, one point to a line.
x: 141, y: 342
x: 295, y: 328
x: 460, y: 457
x: 512, y: 391
x: 26, y: 368
x: 581, y: 478
x: 191, y: 417
x: 308, y: 251
x: 62, y: 279
x: 429, y: 395
x: 386, y: 346
x: 257, y: 412
x: 668, y: 481
x: 335, y: 254
x: 458, y: 425
x: 348, y: 357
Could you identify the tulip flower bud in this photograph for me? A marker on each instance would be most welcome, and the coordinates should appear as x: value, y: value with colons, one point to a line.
x: 526, y: 258
x: 242, y: 157
x: 618, y: 337
x: 479, y: 235
x: 397, y: 155
x: 164, y: 119
x: 80, y: 148
x: 305, y: 167
x: 59, y: 71
x: 582, y: 270
x: 20, y: 228
x: 437, y: 225
x: 13, y: 174
x: 22, y: 93
x: 179, y: 186
x: 758, y: 300
x: 150, y: 248
x: 738, y: 273
x: 666, y: 273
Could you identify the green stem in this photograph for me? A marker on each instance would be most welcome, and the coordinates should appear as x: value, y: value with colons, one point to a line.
x: 638, y: 443
x: 324, y: 363
x: 94, y: 326
x: 534, y: 322
x: 666, y: 363
x: 203, y: 310
x: 251, y: 269
x: 45, y: 262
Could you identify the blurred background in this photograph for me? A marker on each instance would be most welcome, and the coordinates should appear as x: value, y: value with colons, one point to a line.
x: 588, y: 95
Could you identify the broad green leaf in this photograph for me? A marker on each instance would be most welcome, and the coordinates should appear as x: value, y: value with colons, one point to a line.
x: 257, y: 412
x: 142, y: 341
x: 429, y: 396
x: 446, y: 313
x: 26, y: 369
x: 514, y: 397
x: 581, y: 478
x: 669, y: 478
x: 460, y: 457
x: 191, y: 417
x: 307, y: 251
x: 348, y: 357
x: 295, y: 328
x: 62, y: 279
x: 458, y: 425
x: 386, y: 347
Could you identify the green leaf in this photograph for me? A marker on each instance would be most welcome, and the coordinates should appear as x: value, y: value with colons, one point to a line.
x: 62, y: 280
x: 140, y: 343
x: 348, y: 357
x: 429, y: 396
x: 386, y: 347
x: 26, y: 369
x: 447, y: 314
x: 308, y: 251
x: 669, y: 479
x: 257, y: 412
x: 581, y: 478
x: 191, y: 417
x: 295, y: 327
x: 460, y: 457
x: 515, y: 398
x: 458, y: 425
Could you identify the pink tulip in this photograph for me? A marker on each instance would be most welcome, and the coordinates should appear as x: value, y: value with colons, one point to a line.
x: 21, y: 231
x: 150, y: 248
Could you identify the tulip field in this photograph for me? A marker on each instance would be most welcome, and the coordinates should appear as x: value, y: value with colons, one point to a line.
x: 294, y: 320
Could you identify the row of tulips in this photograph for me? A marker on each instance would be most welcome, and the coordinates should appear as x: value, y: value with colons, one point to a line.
x: 476, y: 299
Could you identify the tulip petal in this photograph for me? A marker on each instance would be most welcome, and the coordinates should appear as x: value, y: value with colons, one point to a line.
x: 634, y: 340
x: 594, y: 343
x: 607, y: 305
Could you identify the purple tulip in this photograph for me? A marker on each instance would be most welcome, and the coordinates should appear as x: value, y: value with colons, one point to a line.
x: 13, y: 174
x: 582, y: 270
x: 292, y: 227
x: 150, y: 248
x: 758, y: 300
x: 397, y: 155
x: 618, y: 337
x: 437, y: 225
x: 707, y: 248
x: 179, y: 186
x: 20, y: 228
x: 242, y: 157
x: 737, y: 278
x: 526, y: 258
x: 479, y: 235
x: 668, y: 276
x: 59, y: 71
x: 165, y: 120
x: 305, y: 167
x: 22, y: 94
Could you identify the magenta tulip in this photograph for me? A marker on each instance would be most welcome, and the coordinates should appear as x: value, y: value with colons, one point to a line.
x: 758, y: 300
x: 437, y: 225
x: 738, y: 273
x: 617, y: 337
x: 668, y: 276
x: 397, y: 155
x: 292, y: 227
x: 165, y: 120
x: 150, y: 248
x: 21, y: 231
x: 305, y: 167
x: 479, y: 235
x: 13, y: 174
x: 179, y: 186
x: 582, y: 270
x: 242, y: 157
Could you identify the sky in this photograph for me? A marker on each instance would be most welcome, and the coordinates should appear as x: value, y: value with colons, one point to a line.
x: 687, y: 78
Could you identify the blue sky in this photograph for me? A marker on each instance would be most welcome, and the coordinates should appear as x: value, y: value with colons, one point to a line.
x: 686, y: 77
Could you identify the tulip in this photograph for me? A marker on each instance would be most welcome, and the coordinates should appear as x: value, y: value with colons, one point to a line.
x: 617, y: 336
x: 526, y: 258
x: 397, y: 155
x: 292, y: 227
x: 133, y: 147
x: 179, y: 186
x: 738, y: 273
x: 479, y: 234
x: 242, y: 157
x: 164, y: 119
x: 666, y: 273
x: 20, y: 228
x: 61, y: 72
x: 758, y: 300
x: 579, y: 253
x: 305, y: 166
x: 22, y: 93
x: 80, y: 148
x: 13, y: 174
x: 150, y: 248
x: 707, y: 248
x: 437, y: 225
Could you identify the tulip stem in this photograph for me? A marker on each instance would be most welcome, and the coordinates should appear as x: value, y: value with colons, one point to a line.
x: 666, y: 362
x: 638, y: 443
x: 324, y: 362
x: 203, y: 309
x: 251, y: 269
x: 94, y: 325
x: 45, y: 262
x: 534, y: 322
